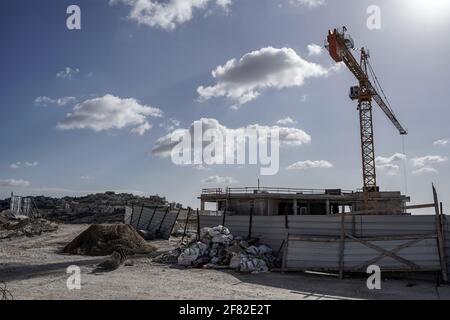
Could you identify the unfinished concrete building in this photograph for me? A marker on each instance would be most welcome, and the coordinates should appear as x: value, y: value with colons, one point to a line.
x: 289, y: 201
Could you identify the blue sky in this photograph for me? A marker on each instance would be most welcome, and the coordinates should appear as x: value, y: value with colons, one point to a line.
x: 153, y: 63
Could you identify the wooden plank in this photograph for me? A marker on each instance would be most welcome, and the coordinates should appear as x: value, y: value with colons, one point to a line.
x: 341, y: 248
x: 285, y: 251
x: 198, y: 224
x: 150, y: 220
x: 335, y: 239
x: 412, y: 265
x: 139, y: 219
x: 441, y: 243
x: 419, y: 206
x: 382, y: 255
x: 186, y: 223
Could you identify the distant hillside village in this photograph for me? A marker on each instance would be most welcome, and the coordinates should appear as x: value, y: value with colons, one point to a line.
x: 92, y: 208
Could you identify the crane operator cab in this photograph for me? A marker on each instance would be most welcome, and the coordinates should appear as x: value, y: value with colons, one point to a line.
x: 354, y: 93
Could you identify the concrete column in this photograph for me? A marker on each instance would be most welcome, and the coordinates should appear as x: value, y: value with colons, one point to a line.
x: 295, y: 207
x: 202, y: 205
x: 328, y: 207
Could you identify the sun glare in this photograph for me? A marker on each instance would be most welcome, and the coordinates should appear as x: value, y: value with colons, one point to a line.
x: 429, y: 10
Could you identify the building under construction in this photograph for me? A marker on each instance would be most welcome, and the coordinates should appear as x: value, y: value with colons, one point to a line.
x: 285, y: 201
x: 288, y: 201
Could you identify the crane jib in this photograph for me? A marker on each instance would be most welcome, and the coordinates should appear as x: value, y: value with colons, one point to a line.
x: 339, y: 45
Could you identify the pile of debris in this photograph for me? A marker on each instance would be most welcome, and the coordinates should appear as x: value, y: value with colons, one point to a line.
x: 107, y: 207
x: 217, y: 248
x: 14, y: 227
x: 102, y: 240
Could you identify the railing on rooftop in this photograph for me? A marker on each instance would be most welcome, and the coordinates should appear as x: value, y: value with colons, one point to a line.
x: 276, y: 190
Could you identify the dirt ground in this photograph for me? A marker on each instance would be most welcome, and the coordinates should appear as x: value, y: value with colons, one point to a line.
x: 33, y: 268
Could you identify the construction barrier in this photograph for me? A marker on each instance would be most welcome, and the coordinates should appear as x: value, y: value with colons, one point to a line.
x: 159, y: 221
x: 348, y: 242
x: 344, y: 243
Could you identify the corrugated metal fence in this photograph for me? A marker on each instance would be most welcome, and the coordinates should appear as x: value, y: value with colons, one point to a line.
x: 347, y: 243
x: 394, y: 243
x: 156, y: 220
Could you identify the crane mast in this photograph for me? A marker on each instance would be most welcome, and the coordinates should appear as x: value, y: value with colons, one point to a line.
x: 339, y: 44
x: 366, y: 129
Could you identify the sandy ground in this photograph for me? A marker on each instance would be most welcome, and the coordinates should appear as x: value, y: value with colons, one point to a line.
x: 33, y: 268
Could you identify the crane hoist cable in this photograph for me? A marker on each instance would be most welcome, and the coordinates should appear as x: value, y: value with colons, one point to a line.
x: 380, y: 89
x: 378, y: 85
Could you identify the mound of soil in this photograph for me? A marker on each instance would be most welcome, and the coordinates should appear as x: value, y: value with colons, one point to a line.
x: 102, y: 240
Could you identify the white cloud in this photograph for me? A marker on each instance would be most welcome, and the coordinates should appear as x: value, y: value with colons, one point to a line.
x: 425, y: 170
x: 288, y: 136
x: 14, y: 183
x: 286, y: 121
x: 15, y: 165
x: 441, y: 142
x: 67, y: 73
x: 201, y: 167
x: 31, y: 164
x: 225, y: 4
x: 242, y: 80
x: 60, y: 102
x: 142, y: 129
x: 170, y: 124
x: 390, y: 163
x: 26, y: 164
x: 308, y: 164
x: 427, y: 161
x: 87, y: 177
x: 219, y: 180
x: 167, y: 15
x: 110, y: 112
x: 308, y: 3
x: 314, y: 50
x: 425, y: 164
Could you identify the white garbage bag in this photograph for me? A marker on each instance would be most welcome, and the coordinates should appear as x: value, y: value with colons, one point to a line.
x: 253, y: 265
x: 192, y: 253
x: 235, y: 261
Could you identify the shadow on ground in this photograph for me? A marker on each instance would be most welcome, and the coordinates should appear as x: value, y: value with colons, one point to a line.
x: 12, y: 271
x: 321, y: 286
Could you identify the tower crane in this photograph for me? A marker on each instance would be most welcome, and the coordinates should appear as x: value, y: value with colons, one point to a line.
x: 340, y: 44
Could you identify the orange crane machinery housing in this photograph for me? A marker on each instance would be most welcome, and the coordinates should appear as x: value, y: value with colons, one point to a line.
x: 339, y: 44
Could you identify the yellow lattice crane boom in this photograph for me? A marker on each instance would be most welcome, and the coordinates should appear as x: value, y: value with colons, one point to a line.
x: 340, y: 44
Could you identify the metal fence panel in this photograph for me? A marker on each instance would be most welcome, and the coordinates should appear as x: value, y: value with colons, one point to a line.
x: 322, y: 255
x: 370, y: 226
x: 128, y: 213
x: 159, y: 220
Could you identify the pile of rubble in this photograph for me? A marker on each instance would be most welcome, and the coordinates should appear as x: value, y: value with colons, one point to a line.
x: 107, y: 207
x: 14, y: 227
x: 217, y: 248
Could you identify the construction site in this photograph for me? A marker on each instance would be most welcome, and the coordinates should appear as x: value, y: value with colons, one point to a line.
x: 259, y: 243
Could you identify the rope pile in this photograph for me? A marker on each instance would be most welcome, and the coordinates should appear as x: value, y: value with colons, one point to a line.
x: 5, y: 294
